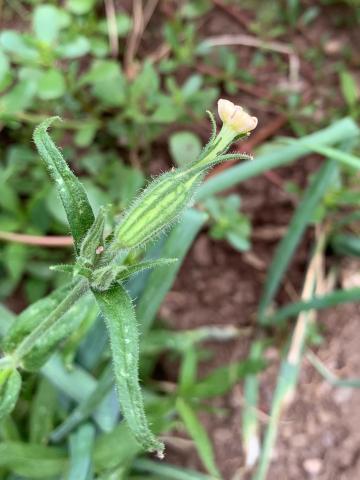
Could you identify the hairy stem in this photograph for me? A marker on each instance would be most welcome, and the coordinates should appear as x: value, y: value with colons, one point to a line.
x: 26, y: 345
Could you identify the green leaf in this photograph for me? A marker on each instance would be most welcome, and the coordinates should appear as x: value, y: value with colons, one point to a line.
x: 77, y: 47
x: 73, y: 196
x: 107, y: 81
x: 14, y: 44
x: 116, y: 448
x: 166, y: 471
x: 18, y: 99
x: 146, y: 265
x: 10, y: 384
x: 37, y: 313
x: 86, y: 407
x: 31, y: 317
x: 15, y: 256
x: 199, y: 435
x: 76, y: 384
x: 43, y: 409
x: 297, y: 226
x: 342, y: 157
x: 85, y: 135
x: 45, y: 346
x: 344, y: 244
x: 250, y: 421
x: 51, y: 85
x: 32, y: 461
x: 222, y: 379
x: 81, y: 446
x: 185, y: 147
x: 79, y: 7
x: 4, y: 66
x: 337, y: 297
x: 47, y: 23
x: 349, y: 88
x: 119, y: 314
x: 7, y: 317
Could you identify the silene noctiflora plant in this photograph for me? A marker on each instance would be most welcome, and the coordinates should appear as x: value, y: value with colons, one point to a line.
x: 100, y: 269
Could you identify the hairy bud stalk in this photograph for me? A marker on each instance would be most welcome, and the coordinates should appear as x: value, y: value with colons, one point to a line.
x: 167, y: 197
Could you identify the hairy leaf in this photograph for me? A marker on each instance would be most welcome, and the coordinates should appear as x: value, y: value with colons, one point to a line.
x: 119, y: 314
x: 72, y: 193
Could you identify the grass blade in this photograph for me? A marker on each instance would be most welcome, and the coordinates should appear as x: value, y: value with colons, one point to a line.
x: 298, y: 224
x: 86, y: 407
x: 81, y: 446
x: 32, y: 461
x: 166, y: 471
x: 43, y: 409
x: 333, y: 153
x: 198, y: 434
x: 328, y: 300
x: 250, y: 424
x: 290, y: 366
x: 329, y: 376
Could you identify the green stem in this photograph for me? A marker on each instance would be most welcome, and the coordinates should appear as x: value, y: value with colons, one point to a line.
x: 26, y: 345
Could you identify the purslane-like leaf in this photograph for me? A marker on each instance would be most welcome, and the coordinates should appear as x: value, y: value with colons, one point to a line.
x: 72, y: 193
x: 119, y: 314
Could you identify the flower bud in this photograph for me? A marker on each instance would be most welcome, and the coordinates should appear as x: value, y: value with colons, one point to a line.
x: 157, y: 207
x: 235, y: 117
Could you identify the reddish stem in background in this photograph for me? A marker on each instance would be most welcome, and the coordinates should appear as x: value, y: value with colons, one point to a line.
x: 41, y: 241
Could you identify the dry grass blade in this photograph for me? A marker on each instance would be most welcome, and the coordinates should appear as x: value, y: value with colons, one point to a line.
x: 112, y: 27
x: 290, y: 367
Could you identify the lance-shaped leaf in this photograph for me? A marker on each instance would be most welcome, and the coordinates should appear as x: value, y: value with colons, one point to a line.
x: 10, y: 383
x: 72, y: 193
x: 119, y: 314
x: 146, y: 265
x: 28, y: 320
x: 39, y: 312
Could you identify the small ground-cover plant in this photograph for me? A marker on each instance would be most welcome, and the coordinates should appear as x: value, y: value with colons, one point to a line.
x: 100, y: 269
